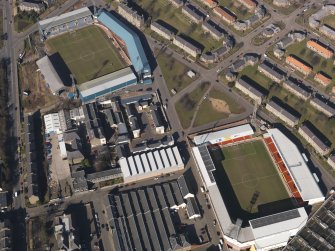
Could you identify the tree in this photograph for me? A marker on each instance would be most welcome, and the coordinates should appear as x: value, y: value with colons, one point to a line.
x: 86, y: 163
x: 315, y: 60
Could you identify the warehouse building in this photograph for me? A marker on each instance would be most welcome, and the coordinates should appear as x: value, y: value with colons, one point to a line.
x: 282, y: 113
x: 65, y: 22
x: 141, y: 219
x: 271, y: 71
x: 326, y: 107
x: 133, y: 43
x: 320, y: 48
x: 130, y: 15
x: 162, y: 31
x: 186, y: 46
x: 300, y: 90
x: 150, y: 164
x: 184, y: 189
x: 299, y: 65
x: 322, y: 78
x: 314, y: 140
x: 250, y: 90
x: 225, y: 15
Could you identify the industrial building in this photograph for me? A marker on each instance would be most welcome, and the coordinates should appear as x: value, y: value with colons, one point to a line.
x: 267, y: 232
x: 282, y: 113
x: 250, y: 90
x: 130, y: 15
x: 65, y: 22
x: 271, y: 71
x: 314, y: 140
x: 141, y: 219
x: 324, y: 106
x: 150, y: 164
x: 298, y: 89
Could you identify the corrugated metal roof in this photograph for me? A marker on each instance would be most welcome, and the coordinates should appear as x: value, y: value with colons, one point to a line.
x: 133, y: 43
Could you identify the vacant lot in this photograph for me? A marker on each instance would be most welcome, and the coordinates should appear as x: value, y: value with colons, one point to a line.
x: 179, y: 79
x: 252, y: 175
x: 24, y: 20
x: 88, y: 53
x: 187, y: 105
x: 163, y: 10
x: 218, y: 105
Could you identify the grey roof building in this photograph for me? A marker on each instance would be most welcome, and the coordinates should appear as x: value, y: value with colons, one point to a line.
x: 214, y: 29
x: 5, y: 235
x: 250, y: 90
x: 324, y: 106
x: 271, y: 71
x: 192, y: 208
x: 300, y: 90
x: 104, y: 175
x: 184, y: 189
x: 79, y: 181
x: 193, y: 13
x: 162, y: 30
x: 282, y: 113
x: 3, y: 200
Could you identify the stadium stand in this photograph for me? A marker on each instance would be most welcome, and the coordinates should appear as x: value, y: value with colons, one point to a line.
x: 134, y: 46
x: 66, y: 22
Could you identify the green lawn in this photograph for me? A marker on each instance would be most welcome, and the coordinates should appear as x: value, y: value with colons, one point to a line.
x: 285, y: 10
x: 23, y: 20
x: 252, y: 73
x: 162, y: 10
x: 252, y: 175
x: 174, y: 72
x: 88, y: 53
x: 319, y: 63
x: 330, y: 21
x: 238, y: 9
x: 187, y: 105
x: 207, y: 113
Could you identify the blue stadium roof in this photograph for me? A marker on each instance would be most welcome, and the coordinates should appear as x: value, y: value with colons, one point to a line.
x: 133, y: 43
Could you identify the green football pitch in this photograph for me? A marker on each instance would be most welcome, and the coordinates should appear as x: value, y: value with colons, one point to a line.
x: 253, y: 176
x: 88, y: 53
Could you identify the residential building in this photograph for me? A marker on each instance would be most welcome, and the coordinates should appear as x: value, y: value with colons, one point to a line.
x: 250, y: 90
x: 162, y: 31
x: 331, y: 161
x: 209, y: 3
x: 327, y: 31
x: 250, y: 4
x: 271, y: 71
x: 324, y: 106
x: 186, y: 46
x: 93, y: 125
x: 285, y: 42
x: 66, y: 236
x: 281, y: 112
x: 224, y: 14
x: 31, y: 6
x: 320, y: 48
x: 157, y: 118
x: 130, y: 15
x: 322, y: 78
x: 73, y: 146
x: 281, y: 3
x: 6, y: 235
x: 214, y: 29
x: 177, y: 3
x: 299, y: 65
x: 300, y: 90
x: 193, y: 13
x: 314, y: 140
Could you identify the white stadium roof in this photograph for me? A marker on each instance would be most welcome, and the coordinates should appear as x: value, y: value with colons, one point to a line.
x: 222, y: 135
x: 295, y: 163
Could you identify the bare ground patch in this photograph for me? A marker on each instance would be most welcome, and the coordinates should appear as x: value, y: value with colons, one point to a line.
x: 220, y: 105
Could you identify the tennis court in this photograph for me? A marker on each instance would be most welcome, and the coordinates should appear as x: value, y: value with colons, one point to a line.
x: 252, y: 174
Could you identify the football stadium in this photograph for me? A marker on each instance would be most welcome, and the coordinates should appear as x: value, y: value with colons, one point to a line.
x: 100, y: 54
x: 258, y: 185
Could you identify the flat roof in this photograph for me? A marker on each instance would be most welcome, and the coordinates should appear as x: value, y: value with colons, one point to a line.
x: 295, y: 163
x: 225, y: 134
x: 107, y: 81
x: 50, y: 74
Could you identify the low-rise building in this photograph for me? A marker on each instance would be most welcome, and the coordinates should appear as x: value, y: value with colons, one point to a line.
x: 250, y: 90
x: 299, y: 65
x: 73, y: 146
x: 156, y: 114
x: 162, y: 30
x: 250, y: 4
x: 314, y: 140
x: 6, y: 235
x: 324, y: 106
x: 271, y: 71
x: 192, y: 208
x: 130, y: 15
x: 186, y: 46
x: 3, y: 200
x: 320, y: 48
x: 282, y: 113
x: 322, y: 78
x: 52, y: 123
x: 300, y: 90
x: 224, y: 14
x: 279, y: 53
x: 31, y: 6
x: 214, y: 29
x: 79, y: 181
x: 331, y: 161
x: 327, y: 31
x: 177, y: 3
x: 285, y: 42
x: 209, y: 3
x: 109, y: 174
x: 93, y: 125
x: 281, y: 3
x: 193, y: 13
x: 65, y: 234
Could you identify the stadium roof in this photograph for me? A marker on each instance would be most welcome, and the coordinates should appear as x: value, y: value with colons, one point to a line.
x: 226, y: 134
x: 302, y: 176
x: 107, y: 81
x: 276, y: 229
x: 50, y: 74
x: 133, y: 43
x: 64, y: 18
